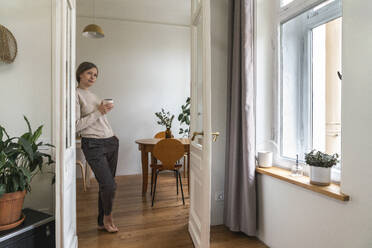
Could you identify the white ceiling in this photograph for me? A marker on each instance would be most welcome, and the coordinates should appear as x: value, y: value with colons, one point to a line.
x: 161, y: 11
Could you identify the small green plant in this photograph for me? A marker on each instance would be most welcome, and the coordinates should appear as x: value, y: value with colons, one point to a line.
x: 320, y: 159
x: 21, y: 159
x: 184, y: 118
x: 165, y: 118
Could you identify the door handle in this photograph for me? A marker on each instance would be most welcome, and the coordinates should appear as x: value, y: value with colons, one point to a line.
x: 196, y: 134
x: 215, y: 135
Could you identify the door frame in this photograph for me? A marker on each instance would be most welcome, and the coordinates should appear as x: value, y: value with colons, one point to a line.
x: 59, y: 33
x: 58, y: 15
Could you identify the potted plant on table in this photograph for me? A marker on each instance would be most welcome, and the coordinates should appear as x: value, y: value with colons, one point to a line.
x: 165, y: 119
x: 320, y: 166
x: 184, y: 118
x: 20, y: 161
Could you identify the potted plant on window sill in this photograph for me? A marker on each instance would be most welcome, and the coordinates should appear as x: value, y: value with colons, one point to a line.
x: 165, y: 119
x: 20, y: 161
x: 320, y: 167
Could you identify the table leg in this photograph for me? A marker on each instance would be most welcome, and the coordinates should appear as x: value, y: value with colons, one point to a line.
x: 184, y: 165
x: 188, y: 171
x: 145, y: 171
x: 153, y: 159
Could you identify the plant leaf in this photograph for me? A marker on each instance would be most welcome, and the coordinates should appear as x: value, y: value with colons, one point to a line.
x: 2, y: 189
x: 15, y: 183
x: 27, y: 146
x: 22, y: 183
x: 50, y: 145
x: 37, y: 134
x: 3, y: 130
x: 27, y: 136
x: 26, y: 172
x: 28, y: 124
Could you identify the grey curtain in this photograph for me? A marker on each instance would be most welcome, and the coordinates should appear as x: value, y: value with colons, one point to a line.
x: 240, y: 185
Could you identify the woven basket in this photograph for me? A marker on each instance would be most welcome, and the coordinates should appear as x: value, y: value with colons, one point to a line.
x: 11, y: 207
x: 8, y: 46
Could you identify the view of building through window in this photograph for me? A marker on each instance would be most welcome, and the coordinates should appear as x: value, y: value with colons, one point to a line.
x: 326, y: 57
x: 310, y: 89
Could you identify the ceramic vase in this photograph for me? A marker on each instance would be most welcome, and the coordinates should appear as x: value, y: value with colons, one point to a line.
x: 320, y: 175
x: 168, y: 133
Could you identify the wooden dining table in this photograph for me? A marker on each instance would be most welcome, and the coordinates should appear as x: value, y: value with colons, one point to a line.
x: 146, y: 147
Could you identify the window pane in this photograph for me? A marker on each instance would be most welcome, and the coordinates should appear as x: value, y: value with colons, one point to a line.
x: 327, y: 87
x: 319, y: 88
x: 285, y: 2
x: 295, y: 89
x: 323, y: 5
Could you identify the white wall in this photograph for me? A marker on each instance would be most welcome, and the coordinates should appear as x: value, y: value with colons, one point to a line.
x: 144, y: 67
x: 219, y: 44
x: 25, y: 85
x: 160, y: 11
x: 290, y: 216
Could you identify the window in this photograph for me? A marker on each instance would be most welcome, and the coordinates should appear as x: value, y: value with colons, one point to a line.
x: 310, y: 89
x: 285, y: 2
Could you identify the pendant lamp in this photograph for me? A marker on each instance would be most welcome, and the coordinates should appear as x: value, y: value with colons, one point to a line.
x: 93, y: 30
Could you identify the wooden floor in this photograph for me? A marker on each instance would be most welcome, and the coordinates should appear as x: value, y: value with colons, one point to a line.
x: 141, y: 226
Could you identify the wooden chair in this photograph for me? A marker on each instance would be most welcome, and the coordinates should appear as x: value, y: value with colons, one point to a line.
x: 168, y: 151
x: 86, y: 171
x: 83, y: 172
x: 161, y: 135
x: 83, y: 167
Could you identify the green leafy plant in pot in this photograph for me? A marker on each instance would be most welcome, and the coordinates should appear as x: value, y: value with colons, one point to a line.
x: 320, y: 166
x: 184, y: 118
x: 20, y: 160
x: 165, y: 119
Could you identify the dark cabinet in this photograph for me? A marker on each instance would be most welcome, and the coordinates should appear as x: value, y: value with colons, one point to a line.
x: 37, y: 231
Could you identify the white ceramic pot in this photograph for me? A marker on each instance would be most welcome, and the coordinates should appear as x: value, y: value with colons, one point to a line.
x: 320, y: 175
x: 265, y: 159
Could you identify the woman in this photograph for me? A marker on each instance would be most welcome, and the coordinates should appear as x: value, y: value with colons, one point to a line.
x: 99, y: 144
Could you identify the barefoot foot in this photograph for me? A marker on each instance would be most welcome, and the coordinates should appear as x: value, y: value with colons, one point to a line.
x: 109, y: 224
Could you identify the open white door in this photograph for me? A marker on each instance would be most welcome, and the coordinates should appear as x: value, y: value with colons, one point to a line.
x: 200, y: 148
x: 64, y: 121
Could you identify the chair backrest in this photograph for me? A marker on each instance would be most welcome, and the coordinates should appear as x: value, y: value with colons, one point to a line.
x: 169, y: 151
x: 161, y: 135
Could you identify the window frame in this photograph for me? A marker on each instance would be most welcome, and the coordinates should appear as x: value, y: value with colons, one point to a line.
x: 284, y: 14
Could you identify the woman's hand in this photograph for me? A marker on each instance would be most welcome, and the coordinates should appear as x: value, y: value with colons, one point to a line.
x: 105, y: 108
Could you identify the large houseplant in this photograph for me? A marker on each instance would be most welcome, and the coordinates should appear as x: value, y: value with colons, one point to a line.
x: 165, y: 119
x: 184, y: 118
x: 320, y: 166
x: 20, y: 160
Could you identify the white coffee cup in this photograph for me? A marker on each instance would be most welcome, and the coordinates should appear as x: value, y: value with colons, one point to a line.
x: 265, y: 159
x: 106, y: 101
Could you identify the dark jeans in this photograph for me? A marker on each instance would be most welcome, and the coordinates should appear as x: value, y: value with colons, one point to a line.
x: 102, y: 156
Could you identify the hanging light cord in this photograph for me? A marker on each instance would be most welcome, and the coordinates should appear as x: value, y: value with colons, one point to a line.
x: 94, y: 10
